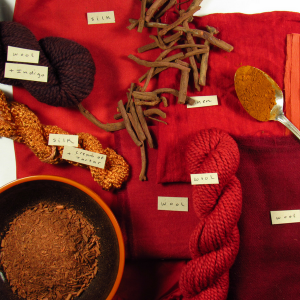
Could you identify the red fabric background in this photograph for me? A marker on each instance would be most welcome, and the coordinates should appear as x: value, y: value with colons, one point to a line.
x: 267, y: 266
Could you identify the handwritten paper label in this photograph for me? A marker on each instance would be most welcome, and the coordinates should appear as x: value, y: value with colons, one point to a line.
x: 285, y: 216
x: 202, y: 101
x: 84, y: 157
x: 22, y: 55
x: 26, y: 72
x: 103, y: 17
x: 63, y: 140
x: 206, y: 178
x: 173, y: 203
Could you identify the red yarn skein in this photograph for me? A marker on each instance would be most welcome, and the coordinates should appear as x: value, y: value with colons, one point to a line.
x: 214, y: 243
x: 71, y: 68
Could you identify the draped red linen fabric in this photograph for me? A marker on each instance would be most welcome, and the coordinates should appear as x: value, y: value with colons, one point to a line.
x: 259, y: 40
x: 267, y: 265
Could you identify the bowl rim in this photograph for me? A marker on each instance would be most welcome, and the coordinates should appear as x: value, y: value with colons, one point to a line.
x: 99, y: 200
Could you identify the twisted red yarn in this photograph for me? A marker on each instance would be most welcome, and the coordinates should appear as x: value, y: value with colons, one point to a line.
x: 214, y: 243
x: 71, y: 68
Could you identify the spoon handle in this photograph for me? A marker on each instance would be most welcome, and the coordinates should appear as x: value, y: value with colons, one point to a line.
x: 288, y: 124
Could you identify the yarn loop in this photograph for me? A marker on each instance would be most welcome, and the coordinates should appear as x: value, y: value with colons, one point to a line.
x: 71, y: 68
x: 214, y: 243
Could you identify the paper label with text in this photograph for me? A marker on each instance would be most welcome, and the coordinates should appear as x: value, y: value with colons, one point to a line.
x: 102, y: 17
x: 17, y: 54
x: 203, y: 101
x: 84, y: 157
x: 173, y: 203
x: 26, y: 72
x: 206, y: 178
x: 63, y: 140
x: 285, y: 216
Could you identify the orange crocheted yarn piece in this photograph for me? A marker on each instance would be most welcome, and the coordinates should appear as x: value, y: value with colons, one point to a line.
x: 19, y: 123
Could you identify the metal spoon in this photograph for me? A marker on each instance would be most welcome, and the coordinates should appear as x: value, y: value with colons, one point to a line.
x: 277, y: 113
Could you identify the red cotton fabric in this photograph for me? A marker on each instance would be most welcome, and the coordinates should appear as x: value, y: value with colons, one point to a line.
x: 157, y: 242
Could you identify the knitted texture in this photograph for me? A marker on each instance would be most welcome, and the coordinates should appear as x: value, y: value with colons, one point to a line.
x: 20, y: 124
x: 214, y: 243
x: 71, y: 68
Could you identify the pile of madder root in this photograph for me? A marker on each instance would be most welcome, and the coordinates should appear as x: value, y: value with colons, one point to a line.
x: 192, y: 58
x: 50, y: 252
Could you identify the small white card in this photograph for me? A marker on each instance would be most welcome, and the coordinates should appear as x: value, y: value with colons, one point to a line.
x: 206, y: 178
x: 23, y: 55
x: 203, y: 101
x: 285, y: 216
x: 102, y: 17
x: 84, y: 157
x: 173, y: 203
x: 26, y: 72
x: 63, y: 140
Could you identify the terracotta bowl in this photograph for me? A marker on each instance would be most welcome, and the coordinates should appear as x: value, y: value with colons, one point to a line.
x: 18, y: 195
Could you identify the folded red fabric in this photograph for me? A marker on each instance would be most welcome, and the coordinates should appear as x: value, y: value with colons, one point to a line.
x: 267, y: 257
x: 149, y: 232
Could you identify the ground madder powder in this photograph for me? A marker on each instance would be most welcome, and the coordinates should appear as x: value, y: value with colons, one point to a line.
x: 50, y: 252
x: 255, y: 92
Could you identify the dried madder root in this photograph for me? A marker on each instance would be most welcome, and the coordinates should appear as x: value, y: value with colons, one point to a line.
x: 142, y: 176
x: 204, y: 58
x: 128, y: 123
x: 19, y: 123
x: 110, y: 127
x: 195, y: 32
x: 186, y: 36
x: 132, y: 115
